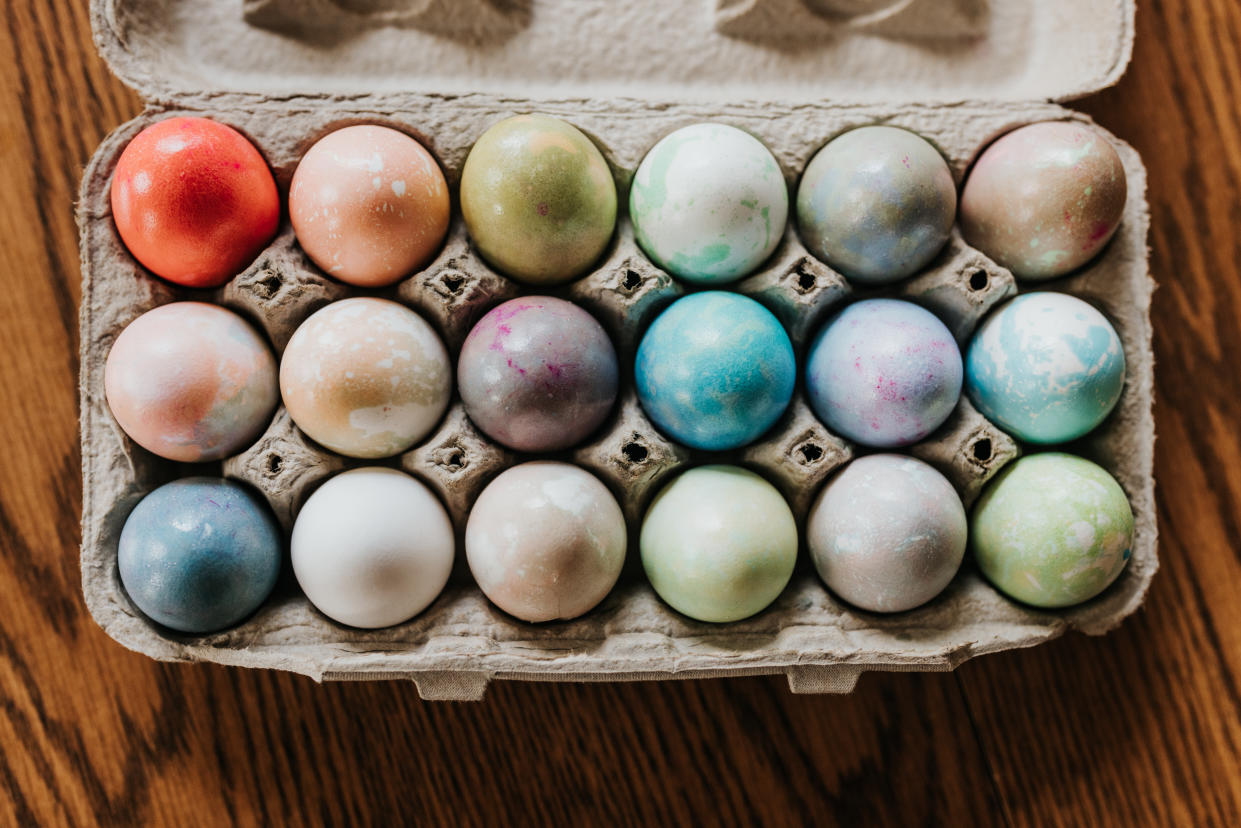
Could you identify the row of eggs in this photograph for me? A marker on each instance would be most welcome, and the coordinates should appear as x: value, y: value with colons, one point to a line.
x: 369, y: 378
x: 373, y: 547
x: 195, y: 203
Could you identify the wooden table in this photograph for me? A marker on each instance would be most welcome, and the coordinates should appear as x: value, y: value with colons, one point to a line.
x: 1142, y: 726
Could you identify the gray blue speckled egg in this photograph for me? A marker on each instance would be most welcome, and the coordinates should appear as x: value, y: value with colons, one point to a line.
x: 1045, y: 367
x: 887, y: 533
x: 877, y: 204
x: 884, y: 373
x: 199, y: 554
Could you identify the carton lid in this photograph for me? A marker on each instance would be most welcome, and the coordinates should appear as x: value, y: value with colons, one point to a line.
x: 688, y: 50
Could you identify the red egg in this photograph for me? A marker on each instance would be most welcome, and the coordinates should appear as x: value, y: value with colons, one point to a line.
x: 194, y: 201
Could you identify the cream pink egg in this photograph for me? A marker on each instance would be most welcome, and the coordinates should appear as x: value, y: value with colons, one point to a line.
x: 191, y: 382
x: 369, y: 205
x: 365, y: 377
x: 546, y: 541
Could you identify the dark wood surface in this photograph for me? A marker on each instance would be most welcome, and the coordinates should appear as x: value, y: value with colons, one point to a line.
x: 1139, y: 727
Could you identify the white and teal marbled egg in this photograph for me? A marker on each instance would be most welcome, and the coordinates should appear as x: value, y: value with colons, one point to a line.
x: 709, y: 203
x: 1046, y: 367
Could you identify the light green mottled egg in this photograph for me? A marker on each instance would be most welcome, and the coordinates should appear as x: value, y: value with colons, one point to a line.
x: 538, y: 199
x: 719, y: 543
x: 709, y: 203
x: 1052, y: 530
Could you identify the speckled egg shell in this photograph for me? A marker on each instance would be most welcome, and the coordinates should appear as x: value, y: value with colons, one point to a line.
x: 1045, y: 367
x: 369, y: 205
x: 719, y: 543
x: 715, y: 370
x: 1043, y: 200
x: 887, y: 533
x: 1052, y: 530
x: 884, y: 373
x: 199, y: 554
x: 546, y: 541
x: 709, y: 203
x: 537, y: 374
x: 191, y: 382
x: 877, y: 204
x: 538, y: 199
x: 372, y: 547
x: 366, y: 377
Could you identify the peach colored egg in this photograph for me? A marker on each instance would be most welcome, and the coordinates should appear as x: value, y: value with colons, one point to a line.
x: 365, y: 377
x: 191, y: 382
x: 369, y: 205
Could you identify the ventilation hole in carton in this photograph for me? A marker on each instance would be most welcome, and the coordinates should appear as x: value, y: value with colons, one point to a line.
x: 452, y: 282
x: 981, y: 450
x: 455, y: 461
x: 979, y: 280
x: 805, y: 281
x: 635, y: 452
x: 268, y: 286
x: 274, y: 464
x: 631, y: 280
x: 810, y: 453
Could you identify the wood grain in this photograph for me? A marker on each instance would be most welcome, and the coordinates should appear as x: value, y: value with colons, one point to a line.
x: 1140, y: 727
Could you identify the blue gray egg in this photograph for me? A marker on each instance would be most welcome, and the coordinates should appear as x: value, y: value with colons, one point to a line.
x: 1045, y: 367
x: 199, y: 554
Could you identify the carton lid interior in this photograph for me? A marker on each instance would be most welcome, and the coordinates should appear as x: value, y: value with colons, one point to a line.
x: 713, y: 51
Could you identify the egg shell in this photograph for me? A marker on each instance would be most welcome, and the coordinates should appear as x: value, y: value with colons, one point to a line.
x: 372, y: 547
x: 719, y: 543
x: 715, y: 370
x: 884, y: 373
x: 369, y: 205
x: 887, y: 533
x: 546, y: 541
x: 1045, y: 367
x: 1043, y: 200
x: 199, y: 554
x: 1052, y: 530
x: 366, y: 377
x: 191, y: 382
x: 709, y: 203
x: 194, y: 201
x: 538, y: 199
x: 877, y: 203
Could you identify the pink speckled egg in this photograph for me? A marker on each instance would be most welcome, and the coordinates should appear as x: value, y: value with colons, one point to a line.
x: 365, y: 377
x: 1043, y: 200
x: 546, y: 541
x: 369, y: 205
x: 191, y: 382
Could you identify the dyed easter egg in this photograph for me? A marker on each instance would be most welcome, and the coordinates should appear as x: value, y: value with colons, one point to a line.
x: 884, y: 373
x: 1052, y: 530
x: 538, y: 199
x: 365, y: 377
x: 545, y: 541
x: 1045, y: 367
x: 537, y: 374
x: 191, y: 382
x: 372, y: 547
x: 887, y: 533
x: 718, y: 543
x: 715, y: 370
x: 194, y: 201
x: 709, y: 203
x: 199, y: 554
x: 877, y: 204
x: 1043, y: 200
x: 369, y: 205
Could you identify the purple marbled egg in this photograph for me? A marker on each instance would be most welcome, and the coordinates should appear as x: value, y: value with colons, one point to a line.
x: 537, y: 374
x: 884, y: 373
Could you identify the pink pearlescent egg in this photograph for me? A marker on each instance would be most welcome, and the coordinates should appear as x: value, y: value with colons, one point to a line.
x: 191, y: 382
x: 365, y: 377
x: 546, y: 541
x: 369, y: 205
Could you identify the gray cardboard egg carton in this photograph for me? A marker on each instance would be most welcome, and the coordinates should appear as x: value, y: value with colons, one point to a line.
x: 462, y: 642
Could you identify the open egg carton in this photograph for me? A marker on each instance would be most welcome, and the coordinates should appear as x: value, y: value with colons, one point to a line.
x: 794, y: 73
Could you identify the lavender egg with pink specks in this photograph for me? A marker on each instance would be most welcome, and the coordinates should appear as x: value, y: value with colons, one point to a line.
x: 537, y: 374
x: 884, y: 373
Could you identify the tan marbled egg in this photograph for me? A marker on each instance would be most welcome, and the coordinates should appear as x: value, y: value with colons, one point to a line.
x: 366, y: 377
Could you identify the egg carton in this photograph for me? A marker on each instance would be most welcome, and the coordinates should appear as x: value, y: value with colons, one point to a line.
x: 462, y: 642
